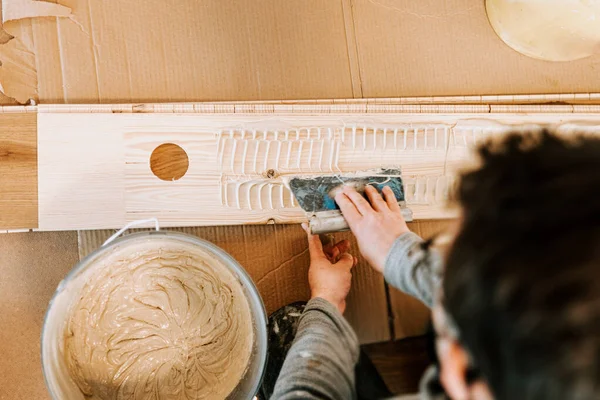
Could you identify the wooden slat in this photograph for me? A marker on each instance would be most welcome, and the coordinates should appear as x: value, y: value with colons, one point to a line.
x: 277, y: 259
x: 18, y: 171
x: 111, y: 184
x: 410, y: 316
x: 94, y: 167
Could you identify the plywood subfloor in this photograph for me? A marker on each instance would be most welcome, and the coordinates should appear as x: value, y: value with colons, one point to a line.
x: 31, y: 266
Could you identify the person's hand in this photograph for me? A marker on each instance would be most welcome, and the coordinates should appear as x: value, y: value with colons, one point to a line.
x: 376, y: 225
x: 329, y: 275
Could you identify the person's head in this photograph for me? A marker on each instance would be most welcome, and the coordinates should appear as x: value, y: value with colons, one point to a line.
x: 521, y: 289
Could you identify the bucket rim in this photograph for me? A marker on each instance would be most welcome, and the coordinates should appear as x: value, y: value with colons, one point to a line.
x: 261, y: 340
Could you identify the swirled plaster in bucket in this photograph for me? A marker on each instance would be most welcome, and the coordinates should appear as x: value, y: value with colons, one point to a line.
x: 158, y: 322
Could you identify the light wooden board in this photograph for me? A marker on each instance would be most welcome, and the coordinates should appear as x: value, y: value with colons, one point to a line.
x: 18, y: 171
x: 277, y: 259
x: 94, y: 165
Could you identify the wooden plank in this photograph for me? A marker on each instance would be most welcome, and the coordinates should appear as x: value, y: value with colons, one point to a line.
x: 18, y: 171
x: 277, y: 259
x: 236, y: 160
x: 410, y: 316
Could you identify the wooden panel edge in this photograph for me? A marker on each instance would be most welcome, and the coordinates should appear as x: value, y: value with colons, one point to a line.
x: 18, y: 171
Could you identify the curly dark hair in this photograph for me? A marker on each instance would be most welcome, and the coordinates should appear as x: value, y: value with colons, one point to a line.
x: 522, y: 279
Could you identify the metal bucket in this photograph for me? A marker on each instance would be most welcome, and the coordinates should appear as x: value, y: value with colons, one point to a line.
x: 56, y: 375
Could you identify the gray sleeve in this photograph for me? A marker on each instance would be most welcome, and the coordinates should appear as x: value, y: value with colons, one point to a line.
x: 321, y: 361
x: 413, y: 270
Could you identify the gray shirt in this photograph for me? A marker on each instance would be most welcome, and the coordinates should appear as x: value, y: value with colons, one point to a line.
x: 321, y: 361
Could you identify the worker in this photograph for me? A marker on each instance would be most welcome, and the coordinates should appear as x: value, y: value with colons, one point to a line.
x: 517, y: 313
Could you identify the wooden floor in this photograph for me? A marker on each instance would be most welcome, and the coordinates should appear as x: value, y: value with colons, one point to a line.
x: 400, y: 363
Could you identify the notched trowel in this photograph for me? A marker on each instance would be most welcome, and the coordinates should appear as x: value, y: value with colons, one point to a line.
x: 315, y: 194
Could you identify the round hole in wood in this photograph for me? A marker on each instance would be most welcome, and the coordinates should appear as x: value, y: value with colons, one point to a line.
x: 169, y: 162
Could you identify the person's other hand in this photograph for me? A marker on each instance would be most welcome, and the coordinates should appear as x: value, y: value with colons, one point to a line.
x: 329, y: 275
x: 376, y: 225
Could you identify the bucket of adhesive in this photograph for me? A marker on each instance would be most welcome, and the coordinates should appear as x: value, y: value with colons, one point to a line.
x: 155, y: 315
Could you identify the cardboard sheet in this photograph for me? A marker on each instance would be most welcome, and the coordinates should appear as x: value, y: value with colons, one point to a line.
x: 31, y: 266
x: 167, y: 50
x: 157, y: 50
x: 437, y: 48
x: 277, y: 259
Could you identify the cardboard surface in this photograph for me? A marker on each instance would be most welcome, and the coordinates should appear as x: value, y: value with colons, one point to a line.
x: 31, y: 266
x: 276, y: 258
x: 157, y: 50
x: 140, y: 51
x: 18, y: 171
x: 433, y: 48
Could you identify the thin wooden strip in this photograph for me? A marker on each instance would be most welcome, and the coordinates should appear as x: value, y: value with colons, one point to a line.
x: 352, y: 45
x: 586, y: 109
x: 17, y: 109
x: 18, y: 171
x: 532, y: 108
x: 302, y: 108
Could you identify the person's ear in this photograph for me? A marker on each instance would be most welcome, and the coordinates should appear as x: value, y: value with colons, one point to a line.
x: 454, y: 363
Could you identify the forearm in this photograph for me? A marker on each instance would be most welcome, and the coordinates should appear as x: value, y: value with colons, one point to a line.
x: 413, y: 270
x: 321, y: 362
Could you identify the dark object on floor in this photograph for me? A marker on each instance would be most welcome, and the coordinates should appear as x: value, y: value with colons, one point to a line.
x: 401, y: 364
x: 369, y: 383
x: 283, y: 324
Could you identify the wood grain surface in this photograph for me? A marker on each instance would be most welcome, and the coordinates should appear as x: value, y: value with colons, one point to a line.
x: 95, y: 160
x: 238, y: 161
x: 18, y: 171
x: 169, y: 162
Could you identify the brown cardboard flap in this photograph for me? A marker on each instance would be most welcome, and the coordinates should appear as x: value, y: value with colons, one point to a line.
x: 157, y: 51
x: 19, y: 9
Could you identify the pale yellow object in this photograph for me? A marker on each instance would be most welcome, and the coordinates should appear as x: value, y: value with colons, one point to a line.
x: 553, y: 30
x: 165, y: 322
